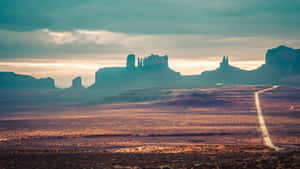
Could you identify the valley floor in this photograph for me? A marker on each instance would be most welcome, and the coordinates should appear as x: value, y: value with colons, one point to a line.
x: 200, y: 128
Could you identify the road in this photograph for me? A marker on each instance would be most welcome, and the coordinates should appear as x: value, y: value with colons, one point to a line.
x: 265, y: 133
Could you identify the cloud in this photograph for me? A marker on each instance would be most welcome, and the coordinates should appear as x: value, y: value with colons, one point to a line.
x: 107, y: 45
x: 218, y: 17
x: 45, y: 43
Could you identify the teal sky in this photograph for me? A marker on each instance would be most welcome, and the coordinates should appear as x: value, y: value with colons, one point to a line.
x: 41, y: 38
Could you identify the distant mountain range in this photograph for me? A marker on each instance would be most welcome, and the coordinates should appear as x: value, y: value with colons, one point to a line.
x: 143, y: 82
x: 282, y: 66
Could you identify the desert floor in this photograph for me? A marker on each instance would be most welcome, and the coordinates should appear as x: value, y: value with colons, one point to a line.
x: 218, y: 126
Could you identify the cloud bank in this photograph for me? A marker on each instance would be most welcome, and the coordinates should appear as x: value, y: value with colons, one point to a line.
x: 230, y: 17
x: 107, y: 45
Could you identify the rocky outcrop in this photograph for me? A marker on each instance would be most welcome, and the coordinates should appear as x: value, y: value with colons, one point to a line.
x: 77, y: 83
x: 284, y: 59
x: 152, y: 71
x: 130, y: 64
x: 224, y: 74
x: 153, y: 61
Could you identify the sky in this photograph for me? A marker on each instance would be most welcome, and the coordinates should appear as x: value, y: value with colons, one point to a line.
x: 65, y: 39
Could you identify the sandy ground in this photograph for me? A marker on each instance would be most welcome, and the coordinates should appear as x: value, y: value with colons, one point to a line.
x: 224, y: 115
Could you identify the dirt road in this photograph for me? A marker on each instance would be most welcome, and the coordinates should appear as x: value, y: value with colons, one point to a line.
x: 266, y: 136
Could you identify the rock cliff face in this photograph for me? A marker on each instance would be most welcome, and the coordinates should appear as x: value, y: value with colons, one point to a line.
x: 10, y: 80
x: 155, y: 61
x: 77, y: 83
x: 284, y: 59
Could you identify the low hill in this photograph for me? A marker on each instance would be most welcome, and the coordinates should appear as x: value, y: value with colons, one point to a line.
x: 10, y: 80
